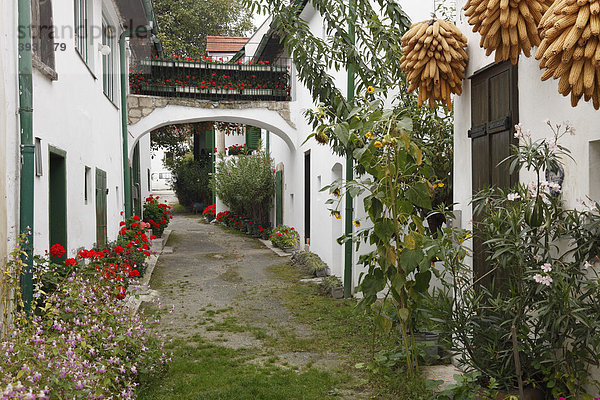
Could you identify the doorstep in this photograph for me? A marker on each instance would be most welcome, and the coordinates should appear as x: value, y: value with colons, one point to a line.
x: 274, y: 249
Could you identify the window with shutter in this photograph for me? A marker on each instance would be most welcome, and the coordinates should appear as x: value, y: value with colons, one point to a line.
x: 42, y: 31
x: 252, y: 138
x: 494, y: 112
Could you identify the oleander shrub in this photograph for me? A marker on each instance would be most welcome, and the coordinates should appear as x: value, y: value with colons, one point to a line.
x: 247, y: 185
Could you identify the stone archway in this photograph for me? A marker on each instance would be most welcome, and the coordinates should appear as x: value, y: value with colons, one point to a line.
x: 147, y: 113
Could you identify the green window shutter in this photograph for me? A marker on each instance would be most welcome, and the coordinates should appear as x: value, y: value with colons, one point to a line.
x: 252, y: 138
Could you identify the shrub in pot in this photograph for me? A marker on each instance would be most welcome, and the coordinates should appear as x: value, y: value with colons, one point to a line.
x: 157, y: 214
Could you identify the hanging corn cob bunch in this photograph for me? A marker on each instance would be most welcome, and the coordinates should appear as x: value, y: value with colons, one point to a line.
x: 434, y: 60
x: 507, y: 26
x: 570, y: 48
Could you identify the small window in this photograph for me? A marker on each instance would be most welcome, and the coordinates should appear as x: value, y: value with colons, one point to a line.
x: 42, y: 27
x: 87, y: 177
x: 38, y: 157
x: 82, y: 28
x: 108, y: 59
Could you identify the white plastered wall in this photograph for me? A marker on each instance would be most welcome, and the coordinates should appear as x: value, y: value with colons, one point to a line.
x: 73, y: 115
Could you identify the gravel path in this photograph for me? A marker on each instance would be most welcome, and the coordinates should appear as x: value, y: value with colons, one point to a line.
x: 220, y: 287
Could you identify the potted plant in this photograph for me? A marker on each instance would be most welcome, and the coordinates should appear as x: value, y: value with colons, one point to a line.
x: 157, y: 214
x: 210, y: 212
x: 285, y: 237
x: 236, y: 149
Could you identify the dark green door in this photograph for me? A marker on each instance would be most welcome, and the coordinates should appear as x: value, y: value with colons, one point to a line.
x: 100, y: 207
x: 279, y: 198
x: 58, y: 198
x: 210, y: 141
x: 136, y: 179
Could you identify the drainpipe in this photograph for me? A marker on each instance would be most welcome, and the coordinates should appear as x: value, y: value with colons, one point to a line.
x: 268, y: 143
x: 349, y: 169
x: 27, y: 148
x: 124, y: 81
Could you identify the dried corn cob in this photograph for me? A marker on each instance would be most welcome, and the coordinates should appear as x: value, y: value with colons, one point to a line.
x: 570, y: 30
x: 507, y: 26
x: 434, y: 60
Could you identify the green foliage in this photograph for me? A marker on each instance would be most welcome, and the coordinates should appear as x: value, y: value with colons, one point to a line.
x: 174, y: 140
x: 433, y: 131
x: 311, y: 261
x: 191, y: 180
x: 540, y: 256
x: 184, y: 24
x: 329, y: 283
x: 246, y: 183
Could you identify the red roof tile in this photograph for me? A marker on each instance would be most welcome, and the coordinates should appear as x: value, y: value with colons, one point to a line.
x: 225, y: 44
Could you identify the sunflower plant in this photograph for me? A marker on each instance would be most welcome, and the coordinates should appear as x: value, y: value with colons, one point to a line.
x: 396, y: 194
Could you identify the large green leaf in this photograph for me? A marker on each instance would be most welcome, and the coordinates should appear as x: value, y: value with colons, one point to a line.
x: 410, y: 259
x: 422, y: 280
x: 342, y: 133
x: 384, y: 229
x: 418, y: 194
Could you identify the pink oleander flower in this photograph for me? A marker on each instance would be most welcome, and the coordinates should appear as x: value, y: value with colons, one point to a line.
x: 546, y: 267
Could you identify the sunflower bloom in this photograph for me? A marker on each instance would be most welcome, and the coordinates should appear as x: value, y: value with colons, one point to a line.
x: 378, y: 144
x: 370, y: 89
x: 369, y: 135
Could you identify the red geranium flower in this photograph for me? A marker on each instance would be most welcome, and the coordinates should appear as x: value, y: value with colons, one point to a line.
x: 70, y: 261
x: 57, y: 251
x: 121, y: 292
x: 118, y: 249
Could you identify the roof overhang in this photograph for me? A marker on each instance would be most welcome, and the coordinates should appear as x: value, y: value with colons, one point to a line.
x: 137, y: 14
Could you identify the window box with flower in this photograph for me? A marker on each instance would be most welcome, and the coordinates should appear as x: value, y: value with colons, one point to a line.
x: 285, y: 237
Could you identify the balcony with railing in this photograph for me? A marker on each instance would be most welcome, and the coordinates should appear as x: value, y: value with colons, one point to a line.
x: 209, y: 79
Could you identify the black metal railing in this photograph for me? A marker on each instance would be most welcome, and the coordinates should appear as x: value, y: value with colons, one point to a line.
x: 209, y: 79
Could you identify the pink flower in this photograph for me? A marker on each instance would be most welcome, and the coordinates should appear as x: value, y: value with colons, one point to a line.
x: 546, y: 267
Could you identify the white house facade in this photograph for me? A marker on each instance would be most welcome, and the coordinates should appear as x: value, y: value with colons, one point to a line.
x: 78, y: 173
x: 519, y: 96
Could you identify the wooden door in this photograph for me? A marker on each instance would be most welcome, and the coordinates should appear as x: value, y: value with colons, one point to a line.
x: 494, y: 113
x: 101, y: 231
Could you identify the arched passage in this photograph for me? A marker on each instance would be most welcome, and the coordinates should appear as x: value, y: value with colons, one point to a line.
x: 272, y: 116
